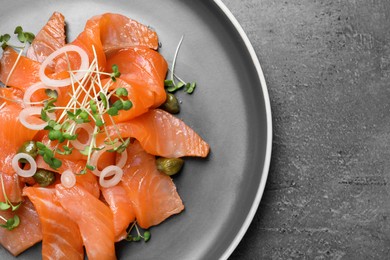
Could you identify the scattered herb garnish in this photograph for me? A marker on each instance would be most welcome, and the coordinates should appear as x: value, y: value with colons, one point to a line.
x: 12, y: 222
x: 23, y: 36
x: 115, y: 72
x: 170, y: 83
x: 95, y: 108
x: 4, y: 40
x: 137, y: 237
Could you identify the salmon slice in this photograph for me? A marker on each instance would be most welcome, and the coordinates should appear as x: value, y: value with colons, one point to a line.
x: 12, y: 136
x: 12, y: 186
x: 11, y: 95
x: 27, y: 234
x: 118, y: 32
x: 61, y: 238
x: 94, y: 219
x: 162, y: 134
x: 25, y: 73
x: 143, y: 68
x: 152, y: 193
x: 49, y: 39
x: 121, y: 207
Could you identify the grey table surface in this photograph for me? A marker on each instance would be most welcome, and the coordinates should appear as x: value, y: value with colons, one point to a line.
x: 327, y: 66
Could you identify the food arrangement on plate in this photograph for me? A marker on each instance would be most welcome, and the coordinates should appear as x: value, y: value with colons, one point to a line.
x: 89, y: 140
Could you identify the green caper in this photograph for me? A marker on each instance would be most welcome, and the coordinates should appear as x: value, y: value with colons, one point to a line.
x: 171, y: 104
x: 28, y: 147
x: 169, y: 166
x: 44, y: 177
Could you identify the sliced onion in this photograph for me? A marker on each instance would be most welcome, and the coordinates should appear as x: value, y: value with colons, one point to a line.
x: 31, y: 90
x: 24, y: 173
x: 89, y: 129
x: 68, y: 81
x: 68, y: 179
x: 96, y: 156
x: 31, y: 111
x: 114, y: 172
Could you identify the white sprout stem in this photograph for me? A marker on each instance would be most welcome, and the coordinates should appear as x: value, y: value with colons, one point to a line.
x: 177, y: 77
x: 175, y: 57
x: 2, y: 105
x: 2, y: 218
x: 4, y: 193
x: 14, y: 66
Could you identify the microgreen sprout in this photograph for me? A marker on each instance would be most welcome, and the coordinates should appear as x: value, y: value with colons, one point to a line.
x: 170, y: 83
x: 48, y: 156
x: 137, y: 237
x: 115, y: 72
x: 4, y: 40
x: 23, y: 36
x: 13, y: 222
x: 10, y: 223
x: 7, y: 204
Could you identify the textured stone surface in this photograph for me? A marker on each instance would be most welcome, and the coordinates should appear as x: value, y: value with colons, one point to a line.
x: 327, y: 65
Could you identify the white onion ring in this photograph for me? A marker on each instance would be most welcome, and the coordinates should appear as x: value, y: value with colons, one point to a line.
x: 30, y: 111
x: 24, y: 173
x: 31, y: 90
x: 68, y: 179
x: 109, y: 171
x: 96, y: 156
x: 76, y: 143
x: 68, y: 81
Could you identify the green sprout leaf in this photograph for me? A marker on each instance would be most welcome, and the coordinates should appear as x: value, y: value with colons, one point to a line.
x: 127, y: 105
x: 11, y: 223
x: 4, y: 206
x: 115, y: 72
x: 103, y: 98
x: 23, y: 36
x: 113, y: 111
x: 121, y: 92
x: 4, y: 40
x: 15, y: 207
x: 90, y: 167
x: 51, y: 93
x: 190, y: 87
x: 147, y: 236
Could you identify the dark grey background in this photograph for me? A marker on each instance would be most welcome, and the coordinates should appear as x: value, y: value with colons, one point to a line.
x: 327, y: 66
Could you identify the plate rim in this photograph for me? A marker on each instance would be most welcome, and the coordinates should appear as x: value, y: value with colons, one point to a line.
x: 267, y: 159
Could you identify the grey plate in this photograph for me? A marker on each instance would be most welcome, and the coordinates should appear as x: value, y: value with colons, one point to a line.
x: 230, y: 109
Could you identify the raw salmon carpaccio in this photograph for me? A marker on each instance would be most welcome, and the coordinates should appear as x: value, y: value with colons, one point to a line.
x: 27, y: 234
x: 160, y: 133
x: 153, y: 194
x: 91, y: 216
x: 61, y: 237
x: 49, y: 39
x: 94, y: 219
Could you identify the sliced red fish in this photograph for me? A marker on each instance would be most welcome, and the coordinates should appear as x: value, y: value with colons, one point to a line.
x: 162, y: 134
x: 13, y: 187
x: 61, y: 238
x: 152, y: 193
x: 27, y: 234
x: 49, y: 39
x: 121, y: 207
x: 118, y: 32
x: 13, y: 135
x: 94, y: 219
x: 24, y: 74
